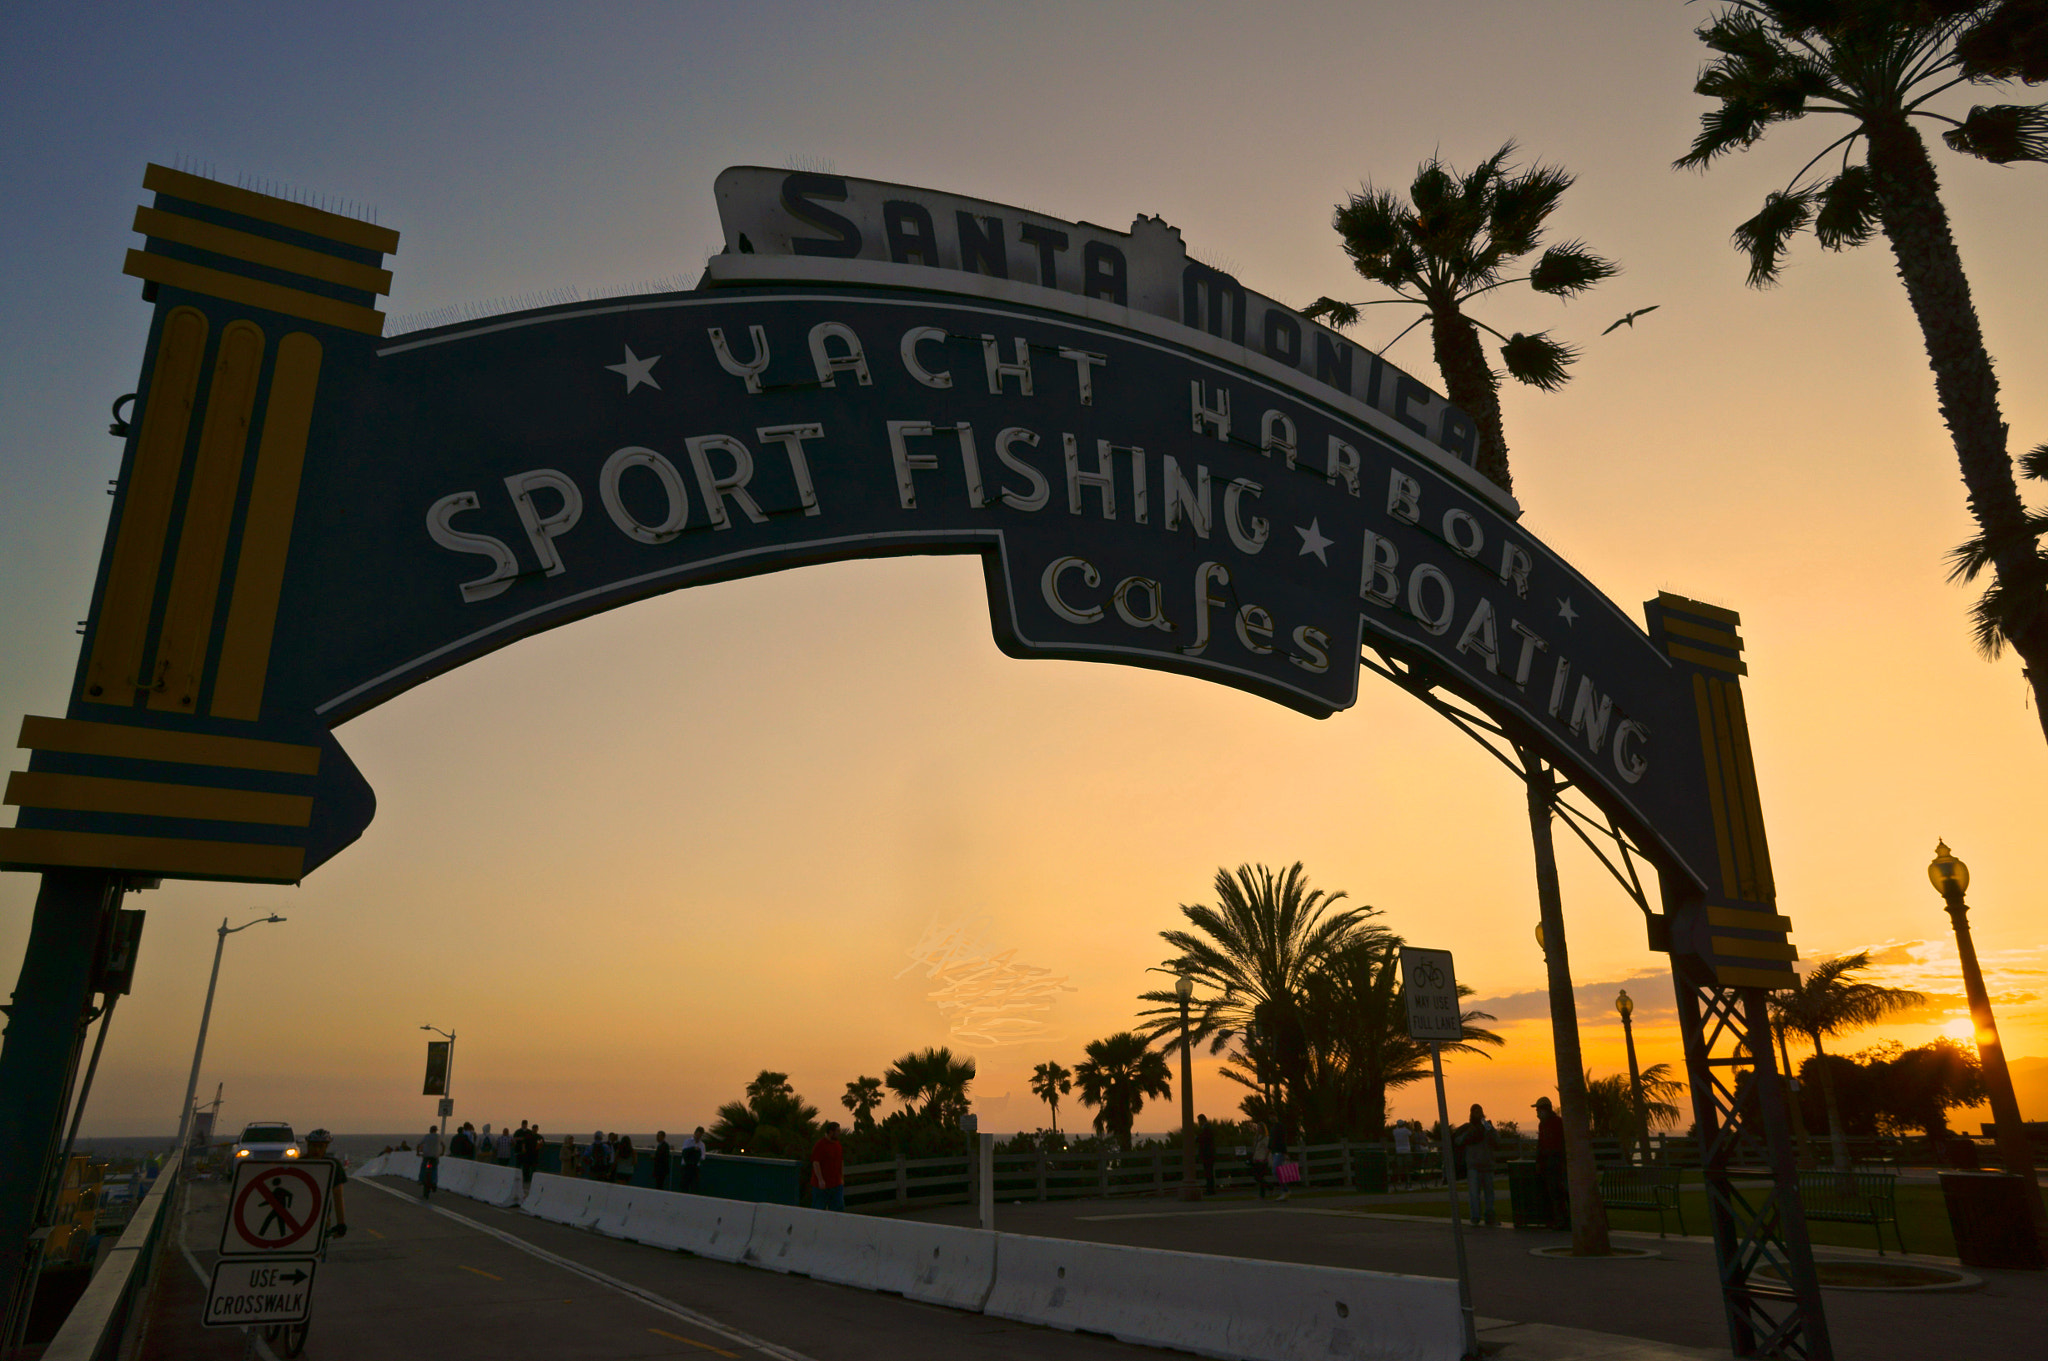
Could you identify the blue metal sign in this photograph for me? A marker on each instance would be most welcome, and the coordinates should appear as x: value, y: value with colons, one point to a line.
x: 311, y: 522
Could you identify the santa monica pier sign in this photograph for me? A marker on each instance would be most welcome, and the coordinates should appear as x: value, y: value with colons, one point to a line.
x: 1156, y: 465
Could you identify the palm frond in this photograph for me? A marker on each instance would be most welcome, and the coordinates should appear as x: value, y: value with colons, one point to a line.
x: 1338, y: 314
x: 1764, y: 237
x: 2007, y: 610
x: 1538, y: 360
x: 1848, y: 209
x: 1569, y: 269
x: 2010, y: 43
x: 2002, y: 133
x: 2034, y: 463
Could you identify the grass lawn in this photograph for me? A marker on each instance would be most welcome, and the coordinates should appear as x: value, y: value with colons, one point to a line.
x: 1923, y: 1218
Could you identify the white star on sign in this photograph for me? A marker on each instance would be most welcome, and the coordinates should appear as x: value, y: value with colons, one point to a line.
x: 1566, y: 612
x: 637, y: 370
x: 1312, y: 541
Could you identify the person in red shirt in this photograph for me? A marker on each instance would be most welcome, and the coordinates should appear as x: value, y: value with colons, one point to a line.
x: 828, y: 1170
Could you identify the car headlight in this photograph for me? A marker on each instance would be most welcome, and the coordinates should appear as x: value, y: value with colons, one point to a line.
x: 291, y: 1153
x: 241, y: 1153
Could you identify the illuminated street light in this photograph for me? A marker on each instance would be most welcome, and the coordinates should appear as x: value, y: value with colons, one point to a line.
x: 1626, y: 1006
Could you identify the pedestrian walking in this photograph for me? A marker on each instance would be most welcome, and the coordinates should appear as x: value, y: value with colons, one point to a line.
x: 430, y: 1162
x: 566, y: 1161
x: 1260, y: 1157
x: 502, y: 1150
x: 600, y: 1158
x: 1550, y: 1163
x: 1205, y: 1150
x: 661, y: 1160
x: 693, y: 1160
x: 486, y: 1146
x: 1476, y: 1142
x: 461, y: 1144
x: 828, y: 1170
x: 1404, y: 1153
x: 623, y: 1160
x: 526, y: 1152
x: 1280, y: 1160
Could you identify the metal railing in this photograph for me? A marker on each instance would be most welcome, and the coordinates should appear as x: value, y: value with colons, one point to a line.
x: 101, y: 1326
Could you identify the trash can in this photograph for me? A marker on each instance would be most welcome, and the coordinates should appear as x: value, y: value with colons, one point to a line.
x: 1527, y: 1197
x: 1369, y: 1169
x: 1988, y: 1213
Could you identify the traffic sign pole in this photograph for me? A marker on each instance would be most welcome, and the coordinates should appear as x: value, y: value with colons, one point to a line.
x: 1430, y: 986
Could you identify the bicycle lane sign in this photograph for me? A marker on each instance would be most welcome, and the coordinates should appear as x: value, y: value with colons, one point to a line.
x: 277, y: 1209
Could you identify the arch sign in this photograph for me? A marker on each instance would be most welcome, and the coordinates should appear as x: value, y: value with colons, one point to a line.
x: 1157, y: 465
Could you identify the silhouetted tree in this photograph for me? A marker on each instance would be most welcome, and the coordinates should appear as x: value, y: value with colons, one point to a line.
x: 1116, y: 1077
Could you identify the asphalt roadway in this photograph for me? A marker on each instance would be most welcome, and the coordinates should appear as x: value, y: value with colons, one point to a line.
x: 451, y: 1279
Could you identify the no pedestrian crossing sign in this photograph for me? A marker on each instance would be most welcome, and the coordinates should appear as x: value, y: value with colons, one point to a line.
x: 277, y: 1209
x: 246, y: 1291
x: 1432, y: 991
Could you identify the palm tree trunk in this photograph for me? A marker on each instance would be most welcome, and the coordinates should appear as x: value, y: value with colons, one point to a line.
x: 1589, y: 1216
x: 1805, y: 1140
x: 1837, y: 1135
x: 1916, y: 225
x: 1470, y: 383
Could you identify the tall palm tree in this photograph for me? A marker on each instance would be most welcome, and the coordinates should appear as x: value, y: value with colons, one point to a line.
x: 1455, y: 238
x: 1830, y: 1000
x: 1356, y: 1017
x: 1116, y: 1077
x: 1251, y: 952
x: 1613, y: 1103
x: 1050, y: 1082
x: 863, y: 1098
x: 934, y: 1078
x: 1880, y: 64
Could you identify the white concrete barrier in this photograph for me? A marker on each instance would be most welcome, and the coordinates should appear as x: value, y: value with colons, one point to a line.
x: 548, y: 1195
x: 614, y: 1207
x: 932, y: 1263
x: 1225, y: 1306
x: 373, y: 1167
x: 706, y: 1225
x: 495, y: 1184
x: 405, y: 1165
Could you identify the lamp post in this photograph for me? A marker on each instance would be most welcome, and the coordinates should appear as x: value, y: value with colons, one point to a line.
x: 1184, y: 988
x: 447, y: 1077
x: 1950, y: 878
x: 206, y: 1016
x: 1626, y: 1006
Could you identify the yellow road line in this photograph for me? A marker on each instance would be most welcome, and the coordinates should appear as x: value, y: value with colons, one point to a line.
x: 485, y: 1274
x: 691, y: 1341
x: 372, y: 1232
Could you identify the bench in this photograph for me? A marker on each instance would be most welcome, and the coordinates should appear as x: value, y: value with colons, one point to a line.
x: 1643, y: 1188
x: 1853, y: 1198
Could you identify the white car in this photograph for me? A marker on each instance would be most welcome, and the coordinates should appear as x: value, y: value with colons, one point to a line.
x: 266, y: 1139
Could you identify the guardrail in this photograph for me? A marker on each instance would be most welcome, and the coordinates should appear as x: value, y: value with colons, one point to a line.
x: 98, y: 1327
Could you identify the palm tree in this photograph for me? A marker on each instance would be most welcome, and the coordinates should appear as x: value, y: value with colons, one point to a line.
x: 1116, y: 1077
x: 1049, y: 1082
x: 1252, y: 951
x: 1456, y: 238
x: 1828, y: 1000
x: 1612, y: 1103
x: 1356, y: 1018
x: 1880, y: 64
x: 935, y: 1078
x: 863, y: 1098
x: 773, y: 1122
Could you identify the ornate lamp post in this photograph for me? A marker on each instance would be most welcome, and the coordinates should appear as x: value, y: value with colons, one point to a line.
x: 1190, y: 1189
x: 1626, y: 1006
x: 1950, y: 877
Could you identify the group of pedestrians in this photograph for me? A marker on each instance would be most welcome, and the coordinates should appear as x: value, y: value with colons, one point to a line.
x: 518, y: 1148
x: 612, y: 1158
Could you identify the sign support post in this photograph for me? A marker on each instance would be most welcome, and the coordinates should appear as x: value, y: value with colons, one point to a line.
x: 1430, y: 986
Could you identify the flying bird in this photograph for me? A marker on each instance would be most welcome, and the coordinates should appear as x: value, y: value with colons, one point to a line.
x: 1630, y: 319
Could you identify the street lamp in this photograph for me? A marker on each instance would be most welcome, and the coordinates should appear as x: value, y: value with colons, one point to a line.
x: 1950, y: 877
x: 1184, y: 988
x: 205, y: 1016
x: 447, y: 1076
x: 1626, y: 1006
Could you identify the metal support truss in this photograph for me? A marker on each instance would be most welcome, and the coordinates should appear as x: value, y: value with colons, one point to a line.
x: 1615, y: 849
x: 1769, y: 1288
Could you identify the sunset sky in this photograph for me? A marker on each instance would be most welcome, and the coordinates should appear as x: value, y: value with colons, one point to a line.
x: 635, y: 860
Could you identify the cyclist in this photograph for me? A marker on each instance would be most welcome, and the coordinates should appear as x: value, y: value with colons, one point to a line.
x: 316, y: 1151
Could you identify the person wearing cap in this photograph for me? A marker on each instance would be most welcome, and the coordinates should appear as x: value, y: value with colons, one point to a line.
x: 1550, y: 1163
x: 316, y: 1151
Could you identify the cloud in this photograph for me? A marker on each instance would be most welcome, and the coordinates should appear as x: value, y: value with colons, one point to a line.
x: 987, y: 998
x: 1649, y: 989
